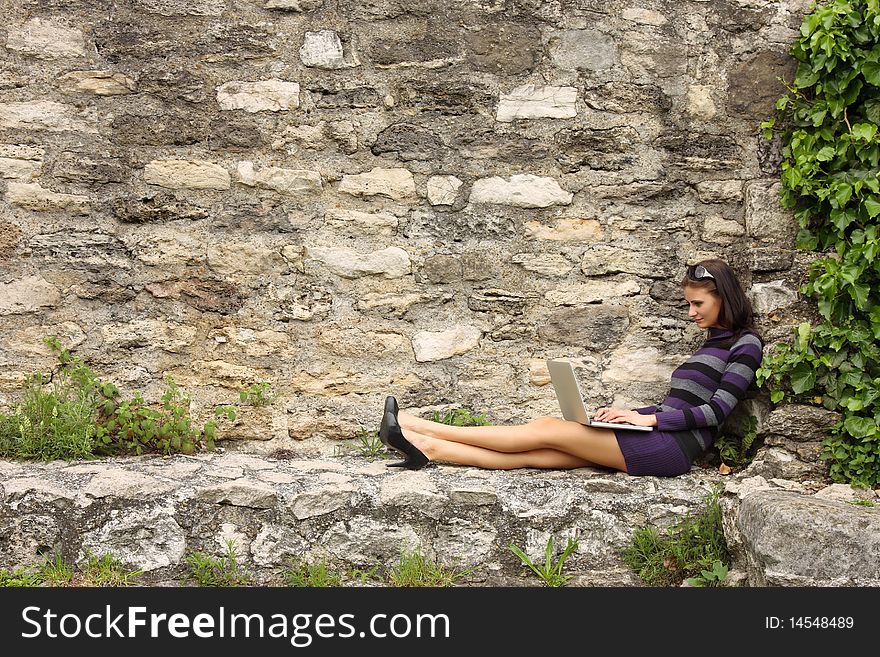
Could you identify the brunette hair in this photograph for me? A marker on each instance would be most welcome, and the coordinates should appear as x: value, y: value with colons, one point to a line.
x: 718, y: 278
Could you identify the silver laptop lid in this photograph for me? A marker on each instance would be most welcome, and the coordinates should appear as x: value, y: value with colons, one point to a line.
x: 568, y: 391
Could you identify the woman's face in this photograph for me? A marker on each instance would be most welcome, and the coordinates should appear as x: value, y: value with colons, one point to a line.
x: 703, y: 306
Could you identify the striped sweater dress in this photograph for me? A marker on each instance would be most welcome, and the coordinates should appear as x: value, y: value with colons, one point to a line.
x: 703, y: 392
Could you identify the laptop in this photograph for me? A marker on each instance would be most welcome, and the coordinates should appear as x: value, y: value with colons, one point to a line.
x: 568, y: 392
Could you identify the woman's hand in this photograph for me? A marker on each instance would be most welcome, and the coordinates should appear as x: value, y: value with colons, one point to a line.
x: 621, y: 415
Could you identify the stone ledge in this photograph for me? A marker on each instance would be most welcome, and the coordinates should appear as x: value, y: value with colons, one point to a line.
x: 149, y: 512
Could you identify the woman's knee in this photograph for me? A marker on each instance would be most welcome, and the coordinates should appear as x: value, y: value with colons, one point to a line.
x: 546, y: 421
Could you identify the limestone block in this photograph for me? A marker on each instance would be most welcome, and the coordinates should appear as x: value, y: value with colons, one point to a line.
x: 146, y: 536
x: 217, y: 373
x: 462, y: 543
x: 753, y: 81
x: 332, y: 381
x: 27, y: 295
x: 359, y: 343
x: 656, y: 263
x: 413, y: 488
x: 589, y: 50
x: 260, y: 423
x: 644, y: 16
x: 92, y: 167
x: 369, y: 223
x: 22, y: 152
x: 800, y: 422
x: 118, y: 482
x: 253, y: 342
x: 391, y: 262
x: 262, y: 96
x: 100, y: 83
x: 521, y: 190
x: 649, y: 55
x: 720, y: 191
x: 502, y: 47
x: 33, y: 197
x: 295, y: 303
x: 291, y: 5
x: 45, y: 115
x: 243, y: 257
x: 565, y: 230
x: 595, y: 326
x: 591, y: 292
x: 323, y: 49
x: 700, y: 103
x: 394, y: 304
x: 46, y: 39
x: 321, y: 501
x: 186, y: 174
x: 158, y: 334
x: 645, y: 365
x: 718, y: 230
x: 439, y: 345
x: 497, y: 301
x: 183, y: 7
x: 240, y: 492
x: 16, y: 169
x: 367, y: 540
x: 30, y: 340
x: 550, y: 265
x: 396, y: 184
x: 845, y: 493
x: 770, y: 258
x: 534, y: 102
x: 766, y: 220
x: 443, y: 190
x: 841, y: 551
x: 767, y: 297
x: 175, y: 249
x: 285, y: 181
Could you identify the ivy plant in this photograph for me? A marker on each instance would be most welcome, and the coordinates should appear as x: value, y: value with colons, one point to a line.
x: 828, y: 125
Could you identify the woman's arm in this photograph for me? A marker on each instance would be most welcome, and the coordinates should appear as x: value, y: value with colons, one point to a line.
x: 745, y: 358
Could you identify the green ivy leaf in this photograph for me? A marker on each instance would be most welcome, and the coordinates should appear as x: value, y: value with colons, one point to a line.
x: 872, y: 206
x: 872, y: 110
x: 803, y: 333
x: 871, y: 71
x: 803, y: 378
x: 859, y: 427
x: 864, y: 131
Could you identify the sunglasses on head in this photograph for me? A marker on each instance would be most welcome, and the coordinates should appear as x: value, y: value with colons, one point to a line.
x: 698, y: 273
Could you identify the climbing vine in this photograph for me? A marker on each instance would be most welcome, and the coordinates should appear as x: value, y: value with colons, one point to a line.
x: 828, y: 124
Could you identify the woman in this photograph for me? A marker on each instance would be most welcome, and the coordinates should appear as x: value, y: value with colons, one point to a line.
x: 704, y: 390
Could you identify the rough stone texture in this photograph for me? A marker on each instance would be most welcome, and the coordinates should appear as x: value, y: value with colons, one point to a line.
x: 186, y: 174
x: 787, y: 538
x: 521, y: 190
x: 324, y: 194
x: 395, y: 184
x: 152, y: 512
x: 262, y: 96
x: 531, y: 102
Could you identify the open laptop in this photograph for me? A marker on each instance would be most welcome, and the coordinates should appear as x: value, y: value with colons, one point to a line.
x: 568, y: 392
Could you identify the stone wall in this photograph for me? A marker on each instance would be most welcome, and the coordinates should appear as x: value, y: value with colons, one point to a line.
x: 347, y: 199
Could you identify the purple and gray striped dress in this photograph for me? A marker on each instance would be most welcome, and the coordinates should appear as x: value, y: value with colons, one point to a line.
x: 703, y: 392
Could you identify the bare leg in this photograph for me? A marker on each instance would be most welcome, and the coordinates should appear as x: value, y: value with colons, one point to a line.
x: 437, y: 449
x: 597, y: 446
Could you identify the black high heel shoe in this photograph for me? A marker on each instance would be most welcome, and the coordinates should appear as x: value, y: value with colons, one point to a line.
x: 392, y: 408
x: 391, y: 435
